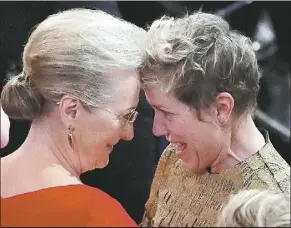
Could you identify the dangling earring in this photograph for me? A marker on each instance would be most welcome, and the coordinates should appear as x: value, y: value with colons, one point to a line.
x: 71, y: 136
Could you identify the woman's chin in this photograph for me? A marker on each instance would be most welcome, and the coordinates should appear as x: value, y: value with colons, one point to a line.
x: 100, y: 163
x: 103, y: 159
x: 103, y: 164
x: 185, y: 158
x: 187, y: 164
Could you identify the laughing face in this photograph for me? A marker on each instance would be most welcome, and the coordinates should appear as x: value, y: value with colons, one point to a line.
x: 198, y: 143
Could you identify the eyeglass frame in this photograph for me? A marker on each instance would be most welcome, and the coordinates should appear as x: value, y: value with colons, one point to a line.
x: 120, y: 117
x: 128, y: 122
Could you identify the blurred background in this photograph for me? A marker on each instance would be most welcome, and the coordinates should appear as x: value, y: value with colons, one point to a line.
x: 268, y: 24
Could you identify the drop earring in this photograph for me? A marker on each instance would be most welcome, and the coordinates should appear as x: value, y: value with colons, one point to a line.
x: 71, y: 136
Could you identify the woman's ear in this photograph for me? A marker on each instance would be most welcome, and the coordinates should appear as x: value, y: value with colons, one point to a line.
x: 70, y: 109
x: 224, y: 104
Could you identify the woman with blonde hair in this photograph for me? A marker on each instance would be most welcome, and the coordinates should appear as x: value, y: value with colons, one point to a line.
x: 79, y: 87
x: 256, y: 208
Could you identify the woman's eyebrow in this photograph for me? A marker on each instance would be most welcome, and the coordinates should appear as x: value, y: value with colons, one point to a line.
x: 161, y: 108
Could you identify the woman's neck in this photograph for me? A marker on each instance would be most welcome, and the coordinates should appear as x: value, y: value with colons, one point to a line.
x: 49, y: 145
x: 246, y: 140
x: 43, y: 160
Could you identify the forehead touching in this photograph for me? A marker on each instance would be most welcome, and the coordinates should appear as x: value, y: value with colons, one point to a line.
x: 126, y: 90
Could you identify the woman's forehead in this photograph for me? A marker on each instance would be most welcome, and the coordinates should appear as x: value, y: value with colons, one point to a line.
x: 157, y: 97
x: 126, y: 95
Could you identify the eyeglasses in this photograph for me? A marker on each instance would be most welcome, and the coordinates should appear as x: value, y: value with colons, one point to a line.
x: 126, y: 120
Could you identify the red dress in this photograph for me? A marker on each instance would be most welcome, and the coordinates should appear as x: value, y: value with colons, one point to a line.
x: 73, y: 205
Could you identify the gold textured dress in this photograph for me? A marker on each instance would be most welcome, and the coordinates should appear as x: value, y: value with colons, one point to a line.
x: 180, y: 197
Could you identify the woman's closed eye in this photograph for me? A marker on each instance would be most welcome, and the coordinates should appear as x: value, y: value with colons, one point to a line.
x: 128, y: 115
x: 166, y: 114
